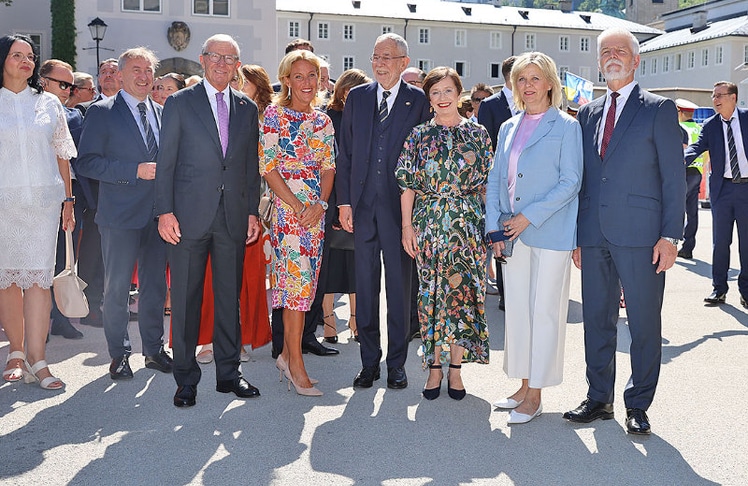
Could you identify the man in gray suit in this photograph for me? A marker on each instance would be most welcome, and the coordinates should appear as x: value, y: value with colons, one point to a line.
x: 207, y: 192
x: 118, y: 147
x: 630, y: 220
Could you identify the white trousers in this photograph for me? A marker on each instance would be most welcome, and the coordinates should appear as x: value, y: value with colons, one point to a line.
x: 536, y: 291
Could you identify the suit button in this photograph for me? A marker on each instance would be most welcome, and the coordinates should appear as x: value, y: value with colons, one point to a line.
x: 225, y: 168
x: 605, y: 179
x: 379, y: 172
x: 220, y: 188
x: 516, y: 198
x: 519, y: 175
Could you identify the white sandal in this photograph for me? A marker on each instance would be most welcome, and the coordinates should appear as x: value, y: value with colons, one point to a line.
x: 14, y: 374
x: 48, y: 382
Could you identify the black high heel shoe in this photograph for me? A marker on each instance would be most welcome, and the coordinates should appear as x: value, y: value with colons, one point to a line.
x: 433, y: 393
x: 331, y: 339
x: 453, y: 392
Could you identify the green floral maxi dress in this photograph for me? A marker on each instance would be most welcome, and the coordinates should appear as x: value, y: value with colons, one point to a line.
x: 448, y: 169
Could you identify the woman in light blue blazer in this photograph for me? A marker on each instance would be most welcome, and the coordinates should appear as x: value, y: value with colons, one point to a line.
x: 536, y: 176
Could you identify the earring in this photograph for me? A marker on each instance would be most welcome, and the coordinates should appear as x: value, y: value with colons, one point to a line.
x: 289, y: 93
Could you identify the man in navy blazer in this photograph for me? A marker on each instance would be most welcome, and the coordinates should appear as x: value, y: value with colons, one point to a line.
x: 631, y: 208
x: 207, y: 192
x: 728, y: 188
x: 376, y: 120
x: 118, y: 148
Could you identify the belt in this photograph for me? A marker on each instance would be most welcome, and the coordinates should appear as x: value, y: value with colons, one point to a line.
x: 742, y: 180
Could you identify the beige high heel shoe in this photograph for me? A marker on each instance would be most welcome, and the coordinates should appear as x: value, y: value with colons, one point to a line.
x: 307, y: 392
x: 48, y: 383
x: 280, y: 363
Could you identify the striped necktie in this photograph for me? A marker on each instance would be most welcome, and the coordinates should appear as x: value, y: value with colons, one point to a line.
x: 733, y: 152
x: 150, y: 138
x: 383, y: 111
x: 610, y: 123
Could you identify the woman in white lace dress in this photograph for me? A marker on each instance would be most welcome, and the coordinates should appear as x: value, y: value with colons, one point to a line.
x: 35, y: 147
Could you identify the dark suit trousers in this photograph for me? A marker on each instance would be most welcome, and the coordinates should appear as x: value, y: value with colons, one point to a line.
x: 693, y: 184
x: 377, y: 231
x: 602, y: 269
x: 187, y: 262
x: 90, y: 261
x: 729, y: 209
x: 121, y: 249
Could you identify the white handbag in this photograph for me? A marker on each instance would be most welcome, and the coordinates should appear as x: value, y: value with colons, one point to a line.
x: 68, y: 286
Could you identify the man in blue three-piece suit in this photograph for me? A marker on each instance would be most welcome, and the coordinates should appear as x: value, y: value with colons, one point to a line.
x: 725, y: 136
x: 376, y: 120
x: 631, y: 208
x: 118, y: 147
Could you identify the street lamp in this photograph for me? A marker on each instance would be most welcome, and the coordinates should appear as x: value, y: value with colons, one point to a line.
x: 98, y: 29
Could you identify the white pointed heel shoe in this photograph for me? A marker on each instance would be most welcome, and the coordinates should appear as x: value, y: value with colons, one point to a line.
x: 522, y: 418
x: 507, y: 403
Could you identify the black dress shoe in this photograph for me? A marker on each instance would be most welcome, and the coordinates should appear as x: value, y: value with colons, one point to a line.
x: 120, y: 368
x: 274, y: 352
x: 396, y: 378
x: 366, y: 377
x: 590, y: 410
x: 716, y: 298
x: 239, y: 387
x: 315, y: 347
x: 502, y: 306
x: 685, y: 254
x: 743, y: 302
x: 62, y: 327
x: 637, y: 422
x: 185, y: 396
x: 160, y: 361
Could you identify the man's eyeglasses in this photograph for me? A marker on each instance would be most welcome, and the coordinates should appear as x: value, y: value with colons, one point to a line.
x: 20, y: 57
x: 376, y: 58
x: 477, y: 99
x: 215, y: 58
x: 78, y: 88
x: 64, y: 85
x: 717, y: 96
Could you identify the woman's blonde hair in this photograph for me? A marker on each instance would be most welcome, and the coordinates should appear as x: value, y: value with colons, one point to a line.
x: 348, y: 80
x: 547, y: 67
x: 284, y: 71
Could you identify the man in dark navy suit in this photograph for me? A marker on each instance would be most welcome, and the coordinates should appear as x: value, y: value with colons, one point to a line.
x: 376, y: 120
x: 725, y: 136
x: 631, y: 208
x: 118, y: 147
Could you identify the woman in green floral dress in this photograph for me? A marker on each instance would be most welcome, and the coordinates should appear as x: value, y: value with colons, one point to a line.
x: 442, y: 171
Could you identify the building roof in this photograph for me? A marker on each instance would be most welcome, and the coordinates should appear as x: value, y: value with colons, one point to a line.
x: 439, y: 11
x: 737, y: 26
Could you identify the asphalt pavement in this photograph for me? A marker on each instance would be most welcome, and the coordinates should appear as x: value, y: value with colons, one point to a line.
x: 98, y: 431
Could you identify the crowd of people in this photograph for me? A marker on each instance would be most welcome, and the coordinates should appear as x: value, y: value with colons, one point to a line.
x: 454, y: 196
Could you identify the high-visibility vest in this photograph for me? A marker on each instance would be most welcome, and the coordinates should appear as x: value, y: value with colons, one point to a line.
x: 694, y: 129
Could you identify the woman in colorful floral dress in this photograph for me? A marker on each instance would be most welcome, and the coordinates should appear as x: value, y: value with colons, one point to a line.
x: 297, y: 163
x: 442, y: 171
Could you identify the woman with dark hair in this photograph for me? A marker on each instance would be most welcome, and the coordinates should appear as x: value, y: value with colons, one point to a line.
x: 35, y: 149
x: 297, y: 163
x: 338, y: 264
x: 442, y: 172
x: 257, y: 86
x: 168, y: 84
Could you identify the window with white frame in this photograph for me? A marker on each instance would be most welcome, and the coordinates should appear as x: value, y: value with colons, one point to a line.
x: 386, y: 29
x: 718, y: 55
x: 745, y: 54
x: 323, y: 30
x: 563, y: 43
x: 666, y: 64
x: 460, y: 38
x: 141, y: 5
x: 349, y: 32
x: 211, y: 7
x: 494, y: 40
x: 584, y: 72
x: 349, y: 62
x: 653, y: 66
x: 690, y: 60
x: 293, y: 29
x: 704, y: 57
x: 462, y: 68
x: 678, y: 64
x: 643, y: 67
x: 600, y: 77
x: 425, y: 65
x: 562, y: 70
x: 494, y: 70
x: 529, y: 42
x: 584, y: 44
x: 36, y: 39
x: 424, y: 35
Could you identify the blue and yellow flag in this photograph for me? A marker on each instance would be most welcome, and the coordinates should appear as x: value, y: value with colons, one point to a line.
x: 578, y: 90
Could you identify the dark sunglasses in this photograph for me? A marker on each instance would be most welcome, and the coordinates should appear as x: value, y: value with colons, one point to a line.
x: 63, y: 84
x: 477, y: 100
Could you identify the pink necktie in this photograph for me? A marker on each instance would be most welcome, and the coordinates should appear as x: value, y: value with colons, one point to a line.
x: 223, y: 121
x: 610, y: 122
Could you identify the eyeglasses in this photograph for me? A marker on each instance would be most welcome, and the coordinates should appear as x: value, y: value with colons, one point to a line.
x: 477, y: 100
x: 64, y: 85
x: 79, y: 88
x: 215, y: 58
x: 20, y: 57
x: 376, y: 58
x: 717, y: 96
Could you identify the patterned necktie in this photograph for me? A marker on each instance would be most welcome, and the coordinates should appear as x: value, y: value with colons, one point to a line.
x: 150, y: 138
x: 733, y: 152
x: 223, y: 121
x: 383, y: 111
x: 610, y: 122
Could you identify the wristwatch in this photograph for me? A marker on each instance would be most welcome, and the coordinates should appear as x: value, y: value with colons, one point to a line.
x: 323, y: 204
x: 674, y: 241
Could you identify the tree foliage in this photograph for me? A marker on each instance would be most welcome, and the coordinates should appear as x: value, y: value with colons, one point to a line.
x: 63, y: 30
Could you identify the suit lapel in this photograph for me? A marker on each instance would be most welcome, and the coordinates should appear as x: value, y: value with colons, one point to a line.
x: 204, y: 113
x: 545, y: 125
x: 596, y: 116
x: 129, y: 121
x: 743, y: 118
x: 235, y: 124
x: 632, y: 106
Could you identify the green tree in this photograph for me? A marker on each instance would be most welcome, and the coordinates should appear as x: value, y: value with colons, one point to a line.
x: 63, y: 30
